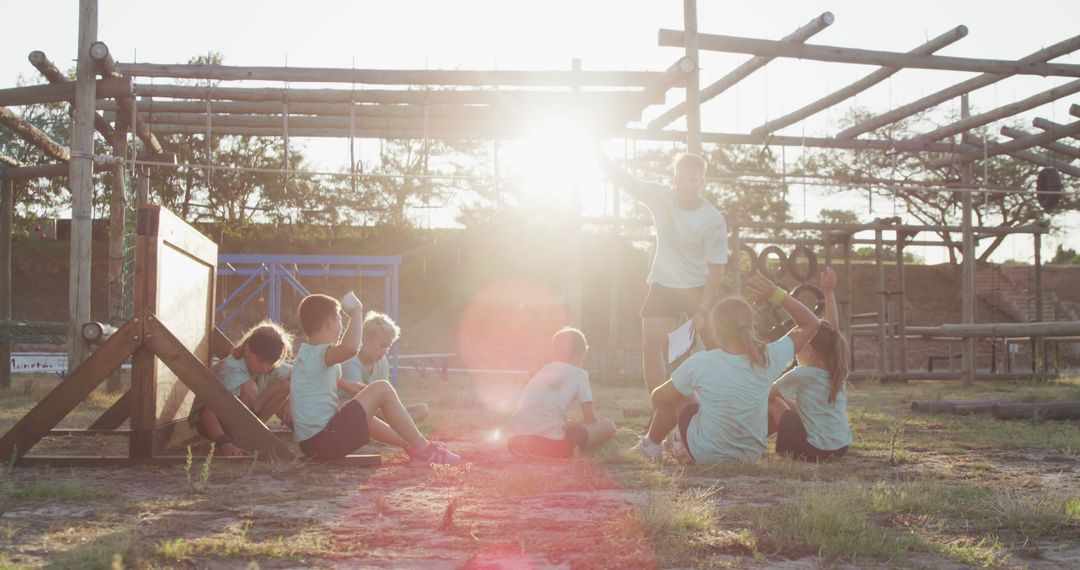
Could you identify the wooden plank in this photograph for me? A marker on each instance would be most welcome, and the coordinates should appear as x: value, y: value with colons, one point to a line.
x: 88, y: 432
x: 392, y: 76
x: 116, y: 415
x: 744, y: 70
x: 239, y: 420
x: 7, y: 213
x: 949, y: 93
x: 753, y: 46
x: 59, y: 402
x: 220, y: 345
x: 36, y: 171
x: 73, y: 461
x: 58, y: 92
x: 860, y: 85
x: 1002, y: 112
x: 33, y: 135
x: 143, y: 365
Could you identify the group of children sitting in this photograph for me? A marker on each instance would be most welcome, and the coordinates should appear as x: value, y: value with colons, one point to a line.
x: 725, y: 402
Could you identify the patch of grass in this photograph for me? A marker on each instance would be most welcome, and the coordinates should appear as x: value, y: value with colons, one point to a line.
x: 1072, y: 509
x: 112, y: 551
x: 237, y: 544
x: 55, y: 491
x: 198, y: 479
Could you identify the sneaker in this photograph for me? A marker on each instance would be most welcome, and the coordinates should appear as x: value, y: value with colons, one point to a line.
x: 437, y: 452
x: 648, y: 448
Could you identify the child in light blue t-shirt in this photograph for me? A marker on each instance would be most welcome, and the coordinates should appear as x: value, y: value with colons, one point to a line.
x: 255, y: 373
x: 719, y: 398
x: 808, y: 406
x: 379, y: 333
x: 327, y: 430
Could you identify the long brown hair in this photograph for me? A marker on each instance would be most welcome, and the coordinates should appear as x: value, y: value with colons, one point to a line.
x: 830, y: 344
x: 733, y: 320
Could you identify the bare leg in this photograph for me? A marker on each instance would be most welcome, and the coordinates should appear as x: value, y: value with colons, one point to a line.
x: 380, y: 431
x: 600, y: 432
x: 418, y: 412
x: 666, y: 416
x: 271, y: 400
x: 380, y: 396
x: 654, y: 331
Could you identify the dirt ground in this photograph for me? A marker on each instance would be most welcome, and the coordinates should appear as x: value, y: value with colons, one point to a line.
x: 611, y: 510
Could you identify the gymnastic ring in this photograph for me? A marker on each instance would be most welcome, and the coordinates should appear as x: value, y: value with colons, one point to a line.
x: 762, y: 262
x: 751, y: 255
x: 811, y: 264
x: 819, y: 306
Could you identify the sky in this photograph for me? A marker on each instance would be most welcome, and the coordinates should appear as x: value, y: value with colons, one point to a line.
x: 513, y: 34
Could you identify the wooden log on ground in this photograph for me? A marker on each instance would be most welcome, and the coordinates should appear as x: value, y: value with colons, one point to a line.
x: 948, y: 406
x: 57, y: 92
x: 753, y: 46
x: 1043, y: 410
x: 394, y: 76
x: 33, y: 135
x: 844, y: 93
x: 744, y: 70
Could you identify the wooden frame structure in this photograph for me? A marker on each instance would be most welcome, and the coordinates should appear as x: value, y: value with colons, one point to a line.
x: 482, y: 104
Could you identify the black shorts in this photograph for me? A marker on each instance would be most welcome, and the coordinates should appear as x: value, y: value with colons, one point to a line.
x: 539, y: 446
x: 674, y: 303
x: 346, y: 432
x: 791, y: 441
x: 685, y: 416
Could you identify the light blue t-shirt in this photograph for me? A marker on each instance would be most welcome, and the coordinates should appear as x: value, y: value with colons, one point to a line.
x: 826, y: 424
x: 352, y: 371
x: 314, y: 391
x: 233, y: 373
x: 732, y: 420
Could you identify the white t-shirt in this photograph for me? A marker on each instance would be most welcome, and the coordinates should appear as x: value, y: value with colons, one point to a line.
x: 352, y: 371
x: 545, y: 404
x: 732, y: 421
x: 686, y: 241
x: 826, y: 424
x: 313, y: 390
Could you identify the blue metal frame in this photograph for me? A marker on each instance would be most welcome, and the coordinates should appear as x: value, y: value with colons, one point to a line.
x: 273, y: 271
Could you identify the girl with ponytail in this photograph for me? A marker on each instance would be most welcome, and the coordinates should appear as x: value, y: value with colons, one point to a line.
x: 719, y: 398
x: 808, y: 406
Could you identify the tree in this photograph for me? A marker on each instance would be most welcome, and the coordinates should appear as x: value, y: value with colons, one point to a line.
x: 922, y: 187
x: 1065, y: 256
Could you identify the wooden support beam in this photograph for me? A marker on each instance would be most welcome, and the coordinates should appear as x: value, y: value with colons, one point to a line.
x: 780, y: 140
x: 57, y: 92
x: 392, y: 76
x: 7, y: 161
x: 220, y: 345
x: 1062, y: 149
x: 744, y: 70
x: 693, y: 95
x: 1043, y: 55
x: 116, y: 415
x: 1013, y: 145
x: 41, y: 171
x: 307, y: 122
x: 71, y: 392
x: 1002, y: 112
x: 1001, y: 330
x: 106, y: 67
x: 1047, y: 125
x: 239, y: 420
x: 753, y: 46
x: 514, y: 98
x: 81, y: 183
x: 7, y: 214
x: 149, y: 108
x: 491, y: 132
x: 33, y: 135
x: 675, y: 76
x: 52, y: 74
x: 844, y: 93
x: 975, y: 143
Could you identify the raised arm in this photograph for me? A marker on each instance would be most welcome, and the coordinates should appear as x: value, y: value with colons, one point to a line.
x: 349, y: 344
x: 621, y: 178
x: 828, y: 287
x: 806, y: 322
x: 708, y: 299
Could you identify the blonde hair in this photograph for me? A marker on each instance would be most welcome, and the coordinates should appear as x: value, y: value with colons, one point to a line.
x: 830, y: 344
x: 376, y: 322
x: 567, y: 344
x: 688, y: 160
x: 266, y: 329
x: 734, y: 322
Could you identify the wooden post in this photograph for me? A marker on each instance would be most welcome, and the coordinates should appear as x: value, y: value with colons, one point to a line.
x: 82, y: 184
x: 901, y: 311
x: 967, y: 282
x: 848, y: 309
x: 574, y: 271
x: 117, y: 213
x: 7, y: 204
x: 1038, y: 353
x: 883, y: 302
x: 614, y: 284
x: 693, y: 80
x: 142, y: 187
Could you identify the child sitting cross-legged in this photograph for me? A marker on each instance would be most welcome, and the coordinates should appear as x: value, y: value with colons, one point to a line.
x: 380, y: 332
x: 539, y: 426
x: 328, y: 429
x: 255, y: 372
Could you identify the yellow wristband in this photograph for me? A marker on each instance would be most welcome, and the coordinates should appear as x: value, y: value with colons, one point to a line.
x: 778, y: 295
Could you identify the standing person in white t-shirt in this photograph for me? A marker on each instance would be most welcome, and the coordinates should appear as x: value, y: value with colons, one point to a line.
x: 539, y: 427
x: 691, y: 253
